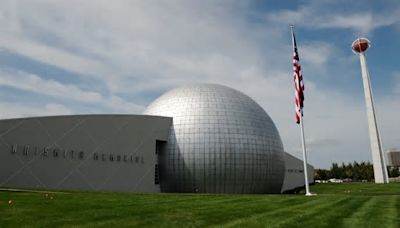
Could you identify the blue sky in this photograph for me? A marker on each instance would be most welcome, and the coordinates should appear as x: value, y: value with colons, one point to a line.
x: 78, y: 57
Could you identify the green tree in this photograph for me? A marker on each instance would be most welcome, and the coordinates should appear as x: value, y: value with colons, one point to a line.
x: 394, y: 172
x: 322, y: 174
x: 355, y: 171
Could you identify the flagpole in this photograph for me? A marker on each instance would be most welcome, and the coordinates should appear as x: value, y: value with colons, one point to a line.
x: 303, y: 142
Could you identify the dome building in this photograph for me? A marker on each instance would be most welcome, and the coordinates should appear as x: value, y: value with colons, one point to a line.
x: 202, y: 138
x: 220, y: 141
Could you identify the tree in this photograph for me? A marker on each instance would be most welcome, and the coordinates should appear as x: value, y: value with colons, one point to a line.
x: 355, y: 171
x: 322, y: 174
x: 394, y: 172
x: 336, y: 171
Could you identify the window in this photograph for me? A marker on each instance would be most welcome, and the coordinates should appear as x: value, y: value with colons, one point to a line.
x: 156, y: 175
x: 160, y: 146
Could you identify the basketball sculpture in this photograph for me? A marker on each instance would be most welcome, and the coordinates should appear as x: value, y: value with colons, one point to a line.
x: 360, y: 45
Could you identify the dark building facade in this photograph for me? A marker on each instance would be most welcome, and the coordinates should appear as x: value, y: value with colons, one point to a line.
x: 394, y: 157
x: 85, y: 152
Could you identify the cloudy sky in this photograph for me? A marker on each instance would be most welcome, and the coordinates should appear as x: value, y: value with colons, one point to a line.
x: 79, y: 57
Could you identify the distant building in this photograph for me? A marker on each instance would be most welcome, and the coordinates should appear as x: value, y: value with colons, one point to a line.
x: 394, y: 157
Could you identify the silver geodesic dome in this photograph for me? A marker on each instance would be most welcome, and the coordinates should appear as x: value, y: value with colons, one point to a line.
x: 221, y: 141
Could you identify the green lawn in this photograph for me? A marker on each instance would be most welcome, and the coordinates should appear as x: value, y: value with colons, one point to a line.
x: 336, y: 205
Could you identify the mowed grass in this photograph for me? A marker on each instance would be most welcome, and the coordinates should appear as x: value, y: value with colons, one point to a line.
x: 336, y: 205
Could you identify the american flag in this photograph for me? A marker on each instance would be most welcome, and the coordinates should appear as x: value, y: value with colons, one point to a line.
x: 298, y: 81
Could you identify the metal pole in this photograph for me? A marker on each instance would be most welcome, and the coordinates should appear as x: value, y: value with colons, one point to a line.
x: 303, y: 141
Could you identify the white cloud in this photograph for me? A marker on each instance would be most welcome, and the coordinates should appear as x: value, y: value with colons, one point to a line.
x: 361, y: 22
x: 316, y: 53
x: 15, y: 110
x: 317, y: 15
x: 33, y: 83
x: 397, y: 83
x: 51, y: 55
x: 130, y: 45
x: 387, y: 110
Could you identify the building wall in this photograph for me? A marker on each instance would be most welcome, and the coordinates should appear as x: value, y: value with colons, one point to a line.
x: 85, y: 152
x: 394, y: 158
x: 94, y: 152
x: 294, y: 173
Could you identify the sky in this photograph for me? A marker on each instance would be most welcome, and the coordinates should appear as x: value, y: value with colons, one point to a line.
x: 103, y: 57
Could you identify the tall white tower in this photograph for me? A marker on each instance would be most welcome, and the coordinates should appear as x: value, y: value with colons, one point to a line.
x: 359, y: 47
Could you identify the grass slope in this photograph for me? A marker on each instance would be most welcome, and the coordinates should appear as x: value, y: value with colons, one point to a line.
x: 336, y: 205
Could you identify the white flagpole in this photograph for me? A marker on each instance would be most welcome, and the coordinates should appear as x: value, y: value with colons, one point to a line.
x: 308, y: 193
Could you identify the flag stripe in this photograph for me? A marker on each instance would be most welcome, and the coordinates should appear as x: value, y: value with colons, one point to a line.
x: 298, y: 82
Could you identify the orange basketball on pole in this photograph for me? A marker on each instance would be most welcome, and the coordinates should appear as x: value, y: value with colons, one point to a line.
x: 360, y: 45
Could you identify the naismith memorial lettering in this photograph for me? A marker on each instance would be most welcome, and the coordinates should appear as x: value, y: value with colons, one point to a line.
x: 37, y: 151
